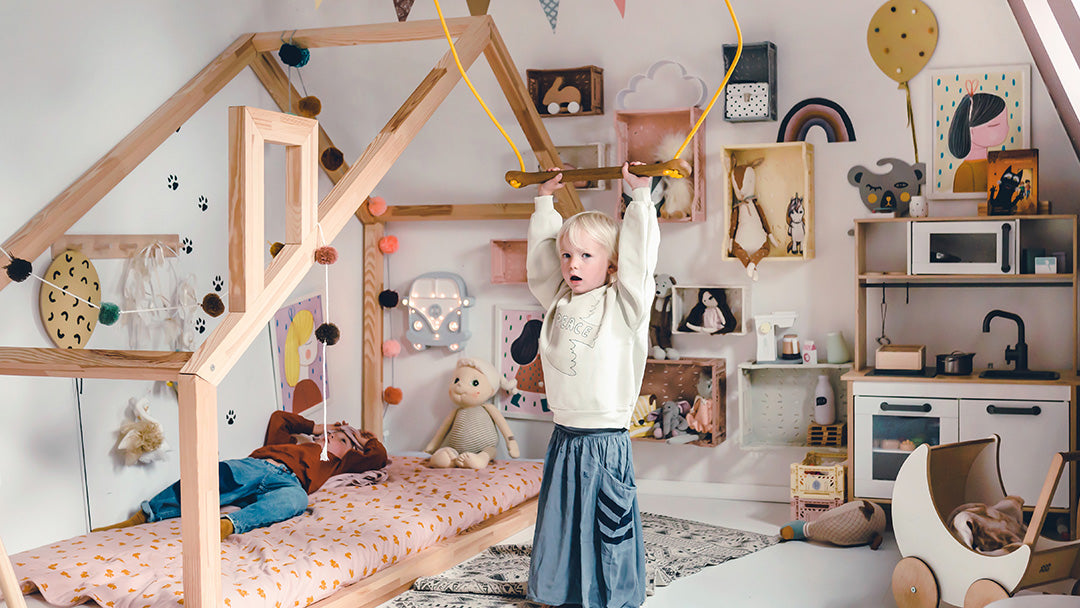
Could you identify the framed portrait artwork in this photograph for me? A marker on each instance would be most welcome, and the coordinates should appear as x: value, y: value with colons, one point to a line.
x: 297, y: 355
x: 975, y: 110
x: 517, y: 346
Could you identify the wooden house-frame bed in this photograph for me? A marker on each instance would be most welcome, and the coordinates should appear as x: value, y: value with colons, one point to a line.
x: 255, y: 292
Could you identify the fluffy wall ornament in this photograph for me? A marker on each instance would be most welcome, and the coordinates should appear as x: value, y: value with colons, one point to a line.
x: 388, y: 244
x: 377, y: 205
x: 142, y: 439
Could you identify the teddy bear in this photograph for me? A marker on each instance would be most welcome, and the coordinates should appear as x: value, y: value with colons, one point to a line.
x: 660, y: 319
x: 469, y: 435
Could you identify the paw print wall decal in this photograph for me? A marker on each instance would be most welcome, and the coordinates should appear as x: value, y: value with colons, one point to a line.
x: 172, y: 183
x: 230, y: 417
x: 187, y: 245
x: 202, y: 203
x: 200, y: 326
x: 219, y: 283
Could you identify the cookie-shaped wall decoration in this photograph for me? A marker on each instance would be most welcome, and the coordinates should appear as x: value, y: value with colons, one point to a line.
x: 68, y: 321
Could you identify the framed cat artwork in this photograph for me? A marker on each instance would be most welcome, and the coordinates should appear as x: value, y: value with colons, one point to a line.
x: 1012, y: 183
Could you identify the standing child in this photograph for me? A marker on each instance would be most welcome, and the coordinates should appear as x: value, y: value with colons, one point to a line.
x: 597, y: 289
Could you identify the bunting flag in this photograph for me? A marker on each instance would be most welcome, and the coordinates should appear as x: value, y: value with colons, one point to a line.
x: 478, y: 7
x: 621, y: 5
x: 551, y: 9
x: 403, y: 7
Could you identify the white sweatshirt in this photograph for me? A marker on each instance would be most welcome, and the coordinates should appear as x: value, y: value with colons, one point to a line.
x: 593, y: 345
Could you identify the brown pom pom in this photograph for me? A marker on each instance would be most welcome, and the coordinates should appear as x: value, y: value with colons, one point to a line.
x: 331, y: 159
x: 276, y: 248
x: 212, y: 305
x: 392, y: 395
x: 309, y: 107
x: 328, y: 334
x: 325, y: 255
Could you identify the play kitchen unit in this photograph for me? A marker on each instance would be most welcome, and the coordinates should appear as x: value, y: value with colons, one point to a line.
x: 900, y: 395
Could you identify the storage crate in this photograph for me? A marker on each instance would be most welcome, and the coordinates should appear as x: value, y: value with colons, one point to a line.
x: 829, y: 435
x: 820, y: 476
x: 776, y: 401
x: 808, y: 509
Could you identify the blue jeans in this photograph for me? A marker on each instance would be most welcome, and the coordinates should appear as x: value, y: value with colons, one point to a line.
x: 265, y: 492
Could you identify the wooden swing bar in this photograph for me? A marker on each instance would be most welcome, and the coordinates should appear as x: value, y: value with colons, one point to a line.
x: 677, y: 168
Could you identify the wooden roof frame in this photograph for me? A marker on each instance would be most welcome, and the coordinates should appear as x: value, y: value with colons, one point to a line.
x: 256, y: 292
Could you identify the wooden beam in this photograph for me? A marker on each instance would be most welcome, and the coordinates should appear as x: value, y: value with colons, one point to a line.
x: 385, y: 584
x: 247, y: 222
x: 486, y: 211
x: 371, y: 392
x: 114, y: 246
x: 199, y: 492
x: 9, y: 582
x: 509, y: 78
x: 92, y: 363
x: 49, y: 224
x: 353, y: 189
x: 353, y: 35
x: 276, y: 82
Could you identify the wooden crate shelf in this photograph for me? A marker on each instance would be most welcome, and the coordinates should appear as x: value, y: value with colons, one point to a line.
x: 674, y: 380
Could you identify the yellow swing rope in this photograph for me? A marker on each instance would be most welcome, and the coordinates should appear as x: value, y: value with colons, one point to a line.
x: 673, y: 168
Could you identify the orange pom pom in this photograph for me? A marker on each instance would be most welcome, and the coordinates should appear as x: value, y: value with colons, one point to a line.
x: 376, y: 205
x: 325, y: 255
x: 388, y: 244
x: 391, y: 348
x: 275, y: 248
x: 392, y: 395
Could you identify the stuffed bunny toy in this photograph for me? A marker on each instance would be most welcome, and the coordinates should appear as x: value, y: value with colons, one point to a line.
x: 470, y: 434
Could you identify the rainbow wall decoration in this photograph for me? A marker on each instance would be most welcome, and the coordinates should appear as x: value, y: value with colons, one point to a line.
x: 816, y: 112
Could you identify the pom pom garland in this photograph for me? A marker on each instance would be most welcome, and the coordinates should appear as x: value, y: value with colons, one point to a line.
x: 309, y: 107
x: 109, y: 313
x: 294, y: 56
x: 391, y: 348
x: 392, y: 395
x: 388, y: 298
x: 388, y: 244
x: 276, y: 248
x: 328, y: 334
x: 212, y: 305
x: 376, y: 205
x: 325, y: 255
x: 331, y: 159
x: 19, y: 270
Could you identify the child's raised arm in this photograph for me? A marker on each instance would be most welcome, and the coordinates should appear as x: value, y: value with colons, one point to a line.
x: 639, y: 243
x: 542, y: 263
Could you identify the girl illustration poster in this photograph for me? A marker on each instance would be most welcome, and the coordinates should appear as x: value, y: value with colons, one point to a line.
x: 976, y: 110
x: 519, y: 359
x: 298, y: 358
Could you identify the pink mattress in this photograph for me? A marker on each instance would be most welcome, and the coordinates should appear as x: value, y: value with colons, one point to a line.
x: 348, y: 534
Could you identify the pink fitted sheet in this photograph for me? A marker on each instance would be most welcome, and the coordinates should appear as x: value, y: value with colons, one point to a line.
x: 348, y: 534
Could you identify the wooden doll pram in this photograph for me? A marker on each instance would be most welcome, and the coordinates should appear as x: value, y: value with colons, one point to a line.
x: 936, y: 565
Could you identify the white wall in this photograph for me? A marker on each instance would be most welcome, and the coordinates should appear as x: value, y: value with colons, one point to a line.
x: 87, y: 75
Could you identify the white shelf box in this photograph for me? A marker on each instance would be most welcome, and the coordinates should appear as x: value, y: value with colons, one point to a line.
x: 776, y: 401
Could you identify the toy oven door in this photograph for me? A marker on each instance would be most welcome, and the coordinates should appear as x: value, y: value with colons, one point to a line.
x: 887, y: 429
x: 965, y: 247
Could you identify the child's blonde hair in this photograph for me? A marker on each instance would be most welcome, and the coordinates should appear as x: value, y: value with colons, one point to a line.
x: 599, y: 227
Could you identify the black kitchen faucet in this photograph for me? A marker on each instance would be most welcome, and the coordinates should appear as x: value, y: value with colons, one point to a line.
x: 1018, y: 353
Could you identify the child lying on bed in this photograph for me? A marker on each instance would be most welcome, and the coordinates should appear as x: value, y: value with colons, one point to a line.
x: 272, y: 484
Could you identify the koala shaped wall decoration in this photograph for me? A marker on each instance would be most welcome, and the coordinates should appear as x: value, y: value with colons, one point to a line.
x: 888, y: 192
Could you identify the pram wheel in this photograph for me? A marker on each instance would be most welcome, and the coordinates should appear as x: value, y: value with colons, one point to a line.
x: 914, y: 585
x: 1075, y: 588
x: 982, y: 592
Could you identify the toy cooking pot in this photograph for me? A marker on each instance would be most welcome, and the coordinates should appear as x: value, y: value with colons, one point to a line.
x: 955, y: 363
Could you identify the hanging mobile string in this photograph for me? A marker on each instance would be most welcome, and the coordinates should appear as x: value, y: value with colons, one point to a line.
x: 327, y: 333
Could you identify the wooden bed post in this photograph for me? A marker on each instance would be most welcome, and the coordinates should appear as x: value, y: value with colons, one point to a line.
x: 199, y: 492
x: 372, y: 401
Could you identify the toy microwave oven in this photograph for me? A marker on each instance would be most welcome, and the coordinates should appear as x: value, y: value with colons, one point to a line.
x: 963, y: 247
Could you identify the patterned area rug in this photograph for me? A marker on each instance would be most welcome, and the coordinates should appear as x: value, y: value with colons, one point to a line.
x: 497, y: 578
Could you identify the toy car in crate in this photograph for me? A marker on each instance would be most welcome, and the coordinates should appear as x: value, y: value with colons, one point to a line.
x: 436, y: 305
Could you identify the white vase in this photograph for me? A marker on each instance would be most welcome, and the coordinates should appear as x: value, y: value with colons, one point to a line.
x: 824, y: 401
x: 918, y: 206
x: 836, y: 348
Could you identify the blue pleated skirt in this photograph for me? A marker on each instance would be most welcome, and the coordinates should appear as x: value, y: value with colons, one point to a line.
x: 587, y: 545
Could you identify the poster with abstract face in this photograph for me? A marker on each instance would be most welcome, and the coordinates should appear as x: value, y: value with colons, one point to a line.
x: 975, y: 110
x: 517, y: 332
x: 298, y: 355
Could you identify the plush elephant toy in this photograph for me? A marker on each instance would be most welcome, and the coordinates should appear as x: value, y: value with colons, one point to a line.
x: 671, y: 421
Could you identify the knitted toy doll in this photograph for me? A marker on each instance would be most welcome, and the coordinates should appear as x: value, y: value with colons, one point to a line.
x: 470, y: 434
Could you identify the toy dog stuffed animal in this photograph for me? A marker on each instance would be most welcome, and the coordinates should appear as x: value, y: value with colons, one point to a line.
x: 470, y: 434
